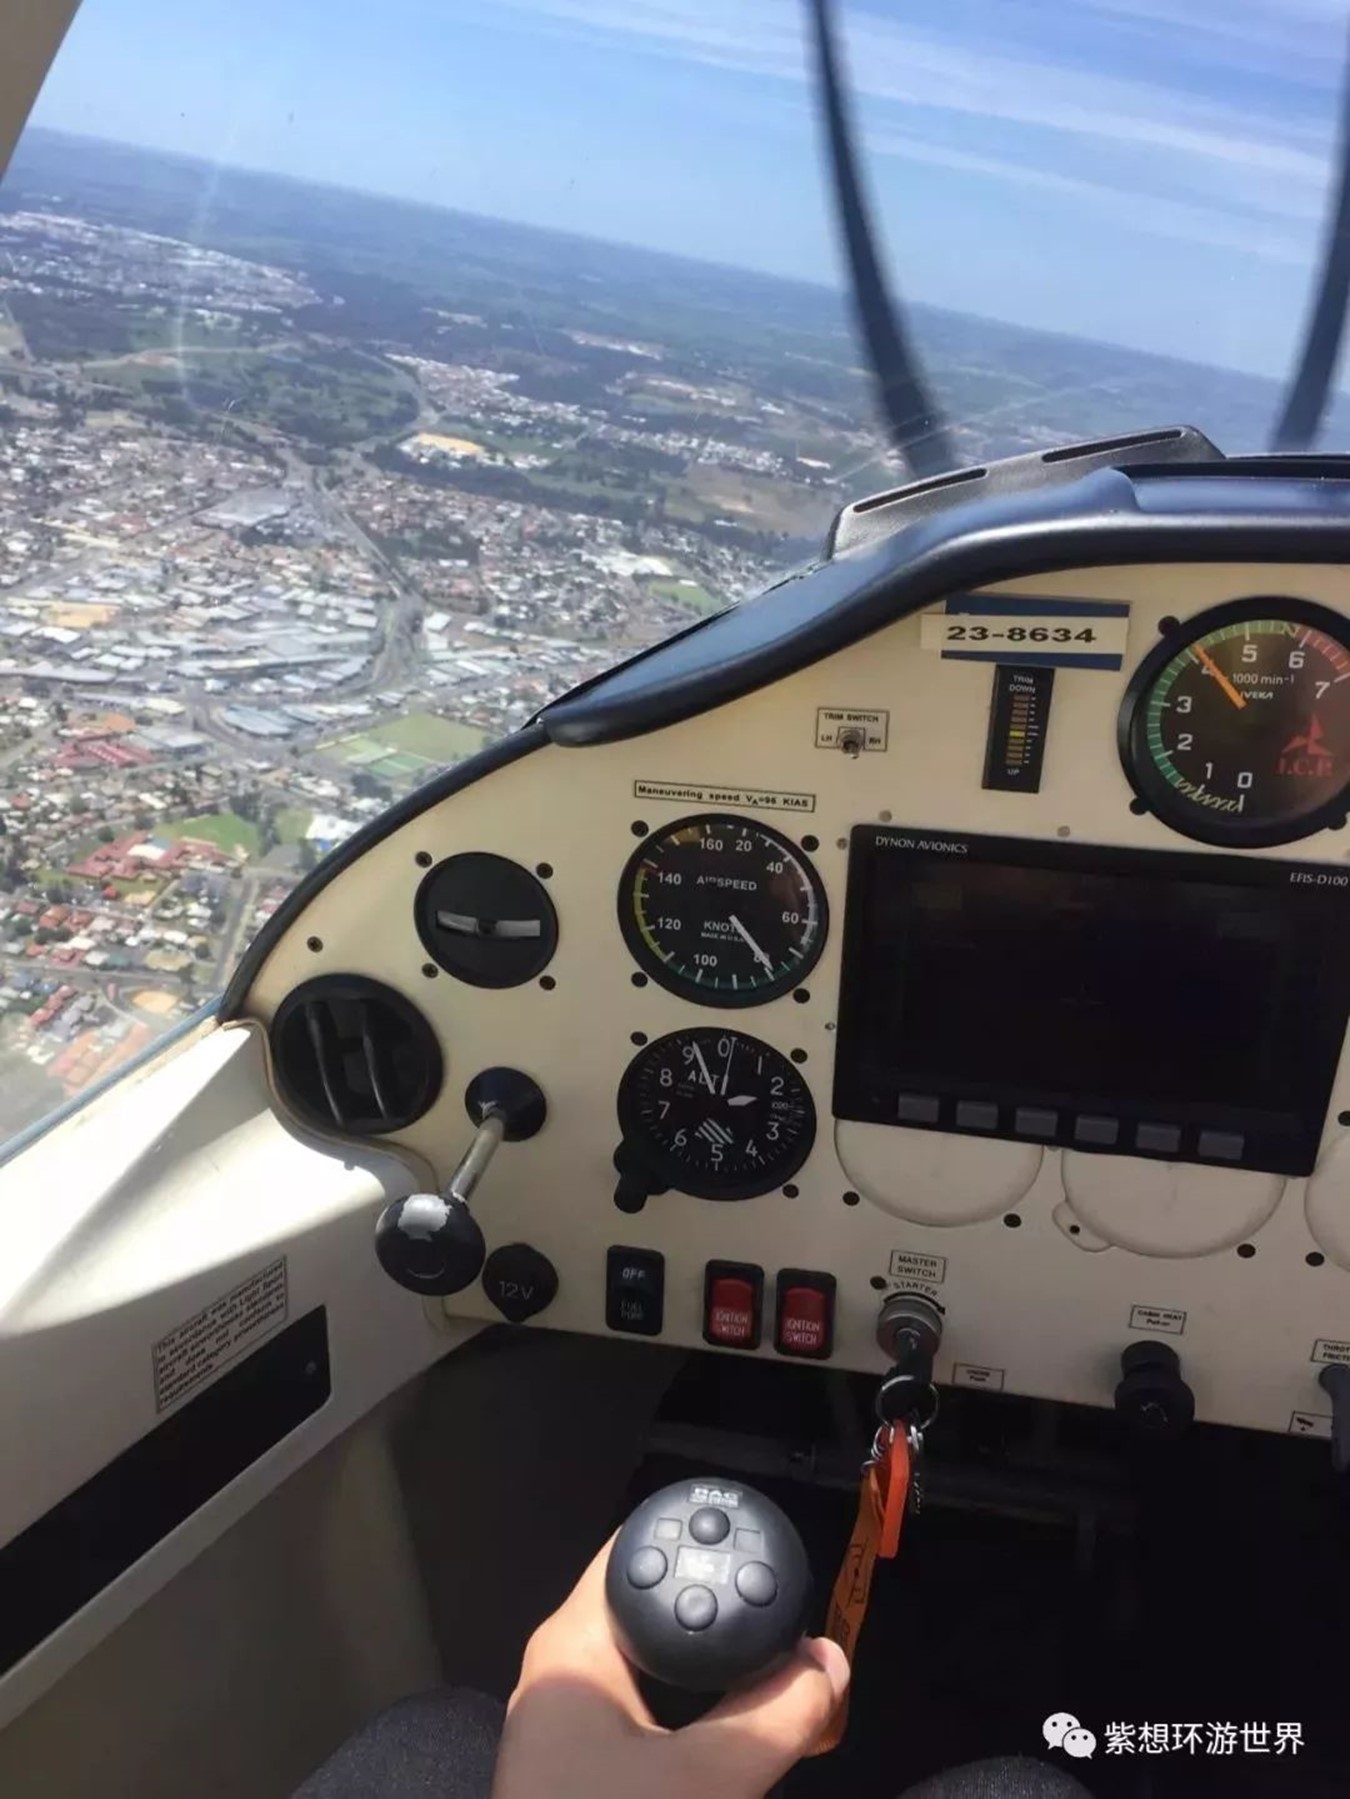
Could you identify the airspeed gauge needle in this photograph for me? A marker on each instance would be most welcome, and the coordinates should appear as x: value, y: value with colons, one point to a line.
x: 759, y: 954
x: 1238, y: 699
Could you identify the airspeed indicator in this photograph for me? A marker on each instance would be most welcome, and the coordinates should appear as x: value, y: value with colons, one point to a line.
x: 723, y: 911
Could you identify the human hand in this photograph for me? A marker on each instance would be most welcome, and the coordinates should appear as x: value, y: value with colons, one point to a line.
x: 577, y: 1724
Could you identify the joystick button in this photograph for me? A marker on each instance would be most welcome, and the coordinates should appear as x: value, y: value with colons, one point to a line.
x: 646, y: 1568
x: 696, y: 1608
x: 708, y: 1525
x: 757, y: 1584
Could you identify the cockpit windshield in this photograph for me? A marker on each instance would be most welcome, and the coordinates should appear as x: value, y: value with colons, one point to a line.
x: 368, y: 377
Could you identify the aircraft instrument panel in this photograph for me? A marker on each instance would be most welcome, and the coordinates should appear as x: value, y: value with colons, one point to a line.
x: 996, y: 954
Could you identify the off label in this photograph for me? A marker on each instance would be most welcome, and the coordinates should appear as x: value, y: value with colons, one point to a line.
x: 230, y: 1326
x: 912, y: 1265
x: 972, y: 1374
x: 841, y: 727
x: 1309, y: 1424
x: 1331, y: 1349
x: 1157, y: 1318
x: 754, y: 799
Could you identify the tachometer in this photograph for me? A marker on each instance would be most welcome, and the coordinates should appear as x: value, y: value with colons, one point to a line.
x: 716, y: 1113
x: 722, y: 911
x: 1236, y: 728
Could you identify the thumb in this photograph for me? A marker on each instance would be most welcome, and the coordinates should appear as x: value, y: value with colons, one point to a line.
x: 752, y: 1738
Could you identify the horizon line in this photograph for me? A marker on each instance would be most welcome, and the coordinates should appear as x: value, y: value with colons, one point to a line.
x: 840, y: 294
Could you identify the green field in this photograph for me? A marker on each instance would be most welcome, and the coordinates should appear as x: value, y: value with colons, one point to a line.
x: 426, y: 734
x: 494, y: 437
x: 291, y: 823
x: 325, y: 396
x: 687, y: 593
x: 406, y: 750
x: 225, y: 829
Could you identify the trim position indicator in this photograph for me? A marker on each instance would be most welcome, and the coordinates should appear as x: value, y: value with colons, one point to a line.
x: 723, y: 911
x: 1236, y: 728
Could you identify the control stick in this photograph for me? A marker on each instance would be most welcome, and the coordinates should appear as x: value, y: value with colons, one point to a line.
x: 708, y: 1586
x: 431, y: 1242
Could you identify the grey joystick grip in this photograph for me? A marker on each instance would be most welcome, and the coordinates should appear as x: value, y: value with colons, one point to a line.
x: 708, y: 1586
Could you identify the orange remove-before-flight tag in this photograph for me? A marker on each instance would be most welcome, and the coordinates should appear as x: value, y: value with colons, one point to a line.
x: 876, y: 1537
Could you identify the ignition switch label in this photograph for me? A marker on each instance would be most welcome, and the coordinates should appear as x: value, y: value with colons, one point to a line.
x: 1331, y: 1349
x: 230, y: 1326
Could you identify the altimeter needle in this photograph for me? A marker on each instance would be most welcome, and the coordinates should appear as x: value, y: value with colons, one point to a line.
x: 704, y: 1068
x: 1238, y: 699
x: 758, y: 953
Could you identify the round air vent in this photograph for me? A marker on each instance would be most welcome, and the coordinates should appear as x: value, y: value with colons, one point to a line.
x: 486, y: 920
x: 352, y: 1055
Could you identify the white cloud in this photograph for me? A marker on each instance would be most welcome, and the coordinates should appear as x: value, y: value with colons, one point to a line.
x: 897, y: 62
x: 1148, y: 213
x: 1155, y: 153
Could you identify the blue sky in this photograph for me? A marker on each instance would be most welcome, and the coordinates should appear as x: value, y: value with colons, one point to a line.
x: 1152, y: 172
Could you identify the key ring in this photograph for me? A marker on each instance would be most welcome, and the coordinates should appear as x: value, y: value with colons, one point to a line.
x: 894, y: 1404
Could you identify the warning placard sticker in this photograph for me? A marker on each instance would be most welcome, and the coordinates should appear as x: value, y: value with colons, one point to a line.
x: 700, y: 793
x: 196, y: 1350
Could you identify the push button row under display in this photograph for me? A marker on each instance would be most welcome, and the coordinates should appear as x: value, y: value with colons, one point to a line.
x: 1091, y: 1130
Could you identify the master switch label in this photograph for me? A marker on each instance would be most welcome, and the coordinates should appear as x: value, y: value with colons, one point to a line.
x: 913, y: 1265
x: 230, y: 1326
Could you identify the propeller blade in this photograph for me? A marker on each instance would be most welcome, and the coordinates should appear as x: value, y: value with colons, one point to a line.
x: 909, y: 410
x: 1306, y: 400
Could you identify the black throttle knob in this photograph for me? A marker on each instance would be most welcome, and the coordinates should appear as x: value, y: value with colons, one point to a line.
x: 708, y: 1585
x: 430, y: 1244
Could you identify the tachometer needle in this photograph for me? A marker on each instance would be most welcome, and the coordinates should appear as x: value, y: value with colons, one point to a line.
x: 1238, y: 699
x: 703, y: 1067
x: 757, y: 952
